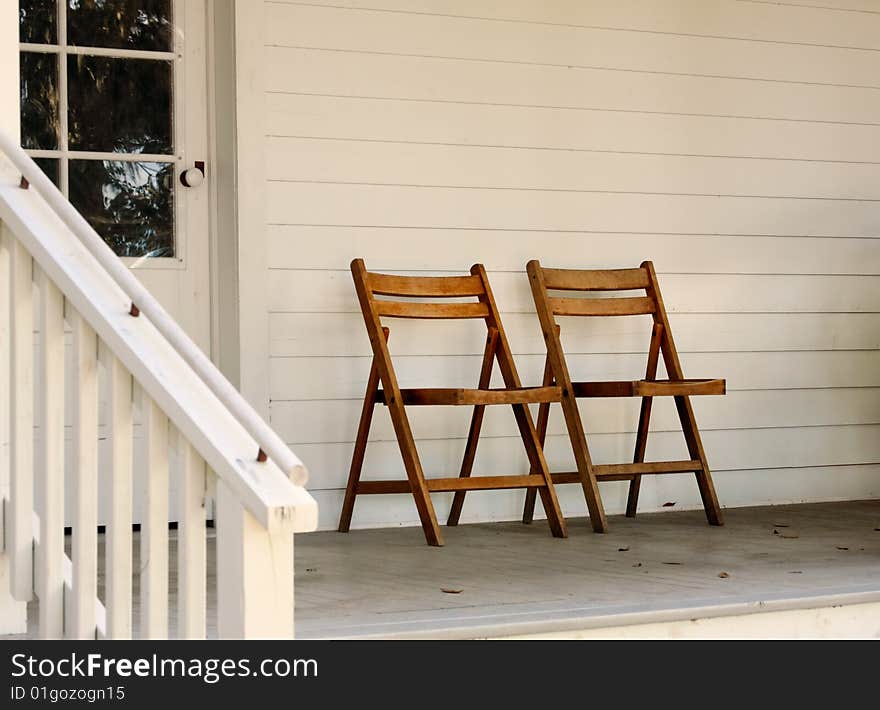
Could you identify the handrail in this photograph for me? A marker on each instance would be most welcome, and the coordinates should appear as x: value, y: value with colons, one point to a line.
x: 143, y: 301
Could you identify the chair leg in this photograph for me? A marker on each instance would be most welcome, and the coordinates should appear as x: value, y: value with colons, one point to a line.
x: 635, y: 484
x: 632, y: 500
x: 590, y: 485
x: 470, y: 450
x: 541, y: 429
x: 539, y: 464
x: 414, y: 473
x: 360, y: 447
x: 695, y: 448
x: 467, y: 463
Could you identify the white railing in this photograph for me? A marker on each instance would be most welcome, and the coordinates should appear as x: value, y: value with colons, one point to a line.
x: 198, y: 436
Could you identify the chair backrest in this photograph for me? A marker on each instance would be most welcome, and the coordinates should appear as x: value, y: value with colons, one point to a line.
x: 597, y: 280
x: 380, y: 294
x: 544, y: 281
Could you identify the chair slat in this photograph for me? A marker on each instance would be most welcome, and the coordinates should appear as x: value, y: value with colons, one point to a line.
x: 627, y: 471
x: 154, y: 528
x: 679, y: 388
x: 191, y: 543
x: 469, y: 397
x: 446, y: 484
x: 425, y: 286
x: 85, y: 479
x: 404, y: 309
x: 601, y: 306
x: 50, y: 509
x: 20, y: 522
x: 121, y: 462
x: 595, y: 280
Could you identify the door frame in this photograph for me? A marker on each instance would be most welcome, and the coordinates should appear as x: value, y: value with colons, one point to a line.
x: 238, y: 241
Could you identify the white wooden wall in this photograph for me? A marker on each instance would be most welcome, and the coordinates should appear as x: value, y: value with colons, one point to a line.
x: 734, y: 143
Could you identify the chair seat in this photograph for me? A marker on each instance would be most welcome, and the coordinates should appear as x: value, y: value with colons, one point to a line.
x: 649, y: 388
x: 464, y: 397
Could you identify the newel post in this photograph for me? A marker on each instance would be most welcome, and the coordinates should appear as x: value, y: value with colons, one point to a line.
x: 254, y: 573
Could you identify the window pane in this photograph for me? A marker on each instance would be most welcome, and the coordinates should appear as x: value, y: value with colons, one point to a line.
x: 132, y: 24
x: 50, y: 166
x: 119, y: 105
x: 37, y: 21
x: 130, y: 205
x: 39, y: 100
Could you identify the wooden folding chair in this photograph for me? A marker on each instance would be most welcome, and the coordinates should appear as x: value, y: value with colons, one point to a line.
x: 369, y: 286
x: 556, y: 371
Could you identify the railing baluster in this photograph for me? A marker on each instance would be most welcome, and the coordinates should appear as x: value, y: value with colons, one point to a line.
x: 85, y: 479
x: 50, y: 581
x: 118, y: 538
x: 191, y: 543
x: 154, y: 528
x: 20, y: 526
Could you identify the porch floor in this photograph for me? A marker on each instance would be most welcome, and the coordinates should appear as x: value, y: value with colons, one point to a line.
x: 508, y: 579
x: 505, y: 579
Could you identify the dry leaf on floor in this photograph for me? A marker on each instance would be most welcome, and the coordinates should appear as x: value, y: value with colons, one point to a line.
x: 796, y: 571
x: 452, y: 591
x: 623, y: 549
x: 723, y: 575
x: 789, y: 536
x: 637, y: 564
x: 671, y: 563
x: 669, y: 504
x: 840, y: 547
x: 780, y: 525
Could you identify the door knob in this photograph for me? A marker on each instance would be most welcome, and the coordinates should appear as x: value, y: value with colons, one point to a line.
x: 194, y: 176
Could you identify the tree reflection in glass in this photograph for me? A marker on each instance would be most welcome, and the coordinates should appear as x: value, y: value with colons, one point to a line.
x: 129, y: 204
x: 121, y: 24
x: 39, y: 100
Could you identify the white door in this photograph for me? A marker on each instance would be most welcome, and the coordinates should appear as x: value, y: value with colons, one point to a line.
x: 114, y: 110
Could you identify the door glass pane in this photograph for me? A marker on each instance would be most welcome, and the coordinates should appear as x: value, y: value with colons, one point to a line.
x: 37, y: 21
x: 39, y: 100
x: 50, y: 167
x: 119, y: 105
x: 129, y: 24
x: 131, y: 205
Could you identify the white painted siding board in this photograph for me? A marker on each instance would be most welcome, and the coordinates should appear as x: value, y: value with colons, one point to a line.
x: 311, y: 71
x: 410, y: 121
x: 456, y: 250
x: 325, y: 291
x: 770, y: 22
x: 305, y: 160
x: 307, y: 334
x: 289, y: 25
x: 345, y: 377
x: 445, y: 207
x: 335, y: 421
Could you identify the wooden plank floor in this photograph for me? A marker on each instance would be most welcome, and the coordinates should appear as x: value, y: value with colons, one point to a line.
x: 511, y: 578
x: 506, y: 575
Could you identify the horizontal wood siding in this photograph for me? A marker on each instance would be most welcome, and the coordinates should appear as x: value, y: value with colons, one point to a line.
x: 735, y: 143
